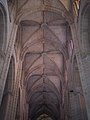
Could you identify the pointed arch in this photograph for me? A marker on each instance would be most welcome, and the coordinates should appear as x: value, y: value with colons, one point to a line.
x: 9, y: 85
x: 85, y: 29
x: 3, y: 28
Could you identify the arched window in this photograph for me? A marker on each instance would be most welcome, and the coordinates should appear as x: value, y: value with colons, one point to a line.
x: 3, y: 27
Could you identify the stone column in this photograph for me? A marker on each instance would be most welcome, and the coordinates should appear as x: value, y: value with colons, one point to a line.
x: 6, y: 60
x: 83, y: 62
x: 13, y: 111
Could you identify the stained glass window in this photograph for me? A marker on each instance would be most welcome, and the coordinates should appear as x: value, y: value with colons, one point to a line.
x: 76, y: 4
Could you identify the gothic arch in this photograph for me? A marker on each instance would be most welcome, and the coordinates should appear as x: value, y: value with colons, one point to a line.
x: 3, y: 27
x: 8, y: 89
x: 85, y: 29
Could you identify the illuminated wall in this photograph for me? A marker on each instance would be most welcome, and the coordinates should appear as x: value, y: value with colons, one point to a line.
x: 66, y: 3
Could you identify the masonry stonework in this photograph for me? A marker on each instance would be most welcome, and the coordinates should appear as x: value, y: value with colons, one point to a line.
x: 44, y: 60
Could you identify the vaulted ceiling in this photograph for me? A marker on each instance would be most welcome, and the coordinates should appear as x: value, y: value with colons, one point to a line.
x: 44, y: 52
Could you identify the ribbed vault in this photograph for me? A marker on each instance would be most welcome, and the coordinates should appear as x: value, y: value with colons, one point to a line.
x: 44, y: 51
